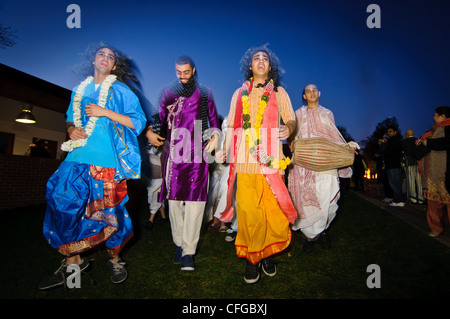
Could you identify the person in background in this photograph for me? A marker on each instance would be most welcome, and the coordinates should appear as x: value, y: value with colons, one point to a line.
x: 393, y: 161
x: 154, y: 187
x: 39, y: 149
x: 381, y: 171
x: 217, y: 189
x: 413, y: 180
x: 436, y: 166
x: 359, y: 169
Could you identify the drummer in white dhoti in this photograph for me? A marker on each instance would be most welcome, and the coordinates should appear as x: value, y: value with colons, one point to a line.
x: 315, y: 194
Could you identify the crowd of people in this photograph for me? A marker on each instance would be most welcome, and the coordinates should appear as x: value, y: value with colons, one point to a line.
x: 231, y: 171
x: 414, y: 170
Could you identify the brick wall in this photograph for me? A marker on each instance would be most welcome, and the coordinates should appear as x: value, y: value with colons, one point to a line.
x: 23, y: 179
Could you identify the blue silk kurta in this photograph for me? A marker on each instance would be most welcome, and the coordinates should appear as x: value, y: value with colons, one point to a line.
x: 185, y: 171
x: 112, y: 144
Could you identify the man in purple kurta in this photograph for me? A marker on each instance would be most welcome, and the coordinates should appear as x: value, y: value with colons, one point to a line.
x: 185, y: 108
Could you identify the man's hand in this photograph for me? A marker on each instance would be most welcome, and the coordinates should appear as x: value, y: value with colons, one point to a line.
x: 420, y: 141
x: 154, y: 139
x: 212, y: 144
x: 221, y: 156
x: 95, y: 110
x: 76, y: 133
x: 284, y: 133
x: 353, y: 145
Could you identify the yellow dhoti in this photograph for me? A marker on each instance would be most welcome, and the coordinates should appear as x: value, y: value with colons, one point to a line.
x: 263, y: 228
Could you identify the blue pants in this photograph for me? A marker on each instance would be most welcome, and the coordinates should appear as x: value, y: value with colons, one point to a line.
x: 395, y: 181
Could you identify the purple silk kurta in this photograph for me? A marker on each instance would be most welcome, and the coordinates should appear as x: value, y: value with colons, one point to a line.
x: 185, y: 171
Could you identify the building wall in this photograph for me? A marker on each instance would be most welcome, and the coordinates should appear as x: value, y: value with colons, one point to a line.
x: 23, y: 179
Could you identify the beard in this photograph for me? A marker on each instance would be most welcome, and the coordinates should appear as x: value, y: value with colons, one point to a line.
x: 184, y: 89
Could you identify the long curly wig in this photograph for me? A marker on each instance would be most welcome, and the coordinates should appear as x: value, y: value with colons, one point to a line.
x: 126, y: 70
x: 276, y: 71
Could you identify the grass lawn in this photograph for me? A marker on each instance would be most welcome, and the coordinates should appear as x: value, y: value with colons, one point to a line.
x: 412, y: 264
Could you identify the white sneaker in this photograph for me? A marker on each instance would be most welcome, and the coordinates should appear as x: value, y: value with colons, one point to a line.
x: 434, y: 234
x: 387, y: 200
x: 399, y: 204
x: 231, y: 235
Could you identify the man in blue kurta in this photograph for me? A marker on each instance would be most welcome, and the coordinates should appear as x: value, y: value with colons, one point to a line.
x: 185, y: 108
x: 86, y: 196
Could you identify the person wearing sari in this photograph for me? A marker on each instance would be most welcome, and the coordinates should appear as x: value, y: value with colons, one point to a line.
x: 257, y: 163
x: 436, y: 168
x: 86, y: 196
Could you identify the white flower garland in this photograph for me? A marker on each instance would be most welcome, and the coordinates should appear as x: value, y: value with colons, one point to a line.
x: 70, y: 145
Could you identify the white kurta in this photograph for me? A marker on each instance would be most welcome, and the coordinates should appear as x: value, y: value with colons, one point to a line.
x: 315, y: 194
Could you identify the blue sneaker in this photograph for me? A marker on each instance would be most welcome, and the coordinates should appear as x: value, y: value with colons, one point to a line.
x: 178, y: 255
x: 187, y: 263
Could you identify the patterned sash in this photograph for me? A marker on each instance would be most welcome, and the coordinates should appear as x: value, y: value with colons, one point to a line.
x: 273, y: 178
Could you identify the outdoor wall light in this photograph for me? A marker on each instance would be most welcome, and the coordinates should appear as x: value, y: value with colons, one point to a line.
x: 25, y: 116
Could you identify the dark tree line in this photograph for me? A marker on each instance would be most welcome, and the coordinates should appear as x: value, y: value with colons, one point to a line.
x: 8, y: 36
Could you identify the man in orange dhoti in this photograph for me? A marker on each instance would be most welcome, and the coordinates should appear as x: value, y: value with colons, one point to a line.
x: 253, y: 141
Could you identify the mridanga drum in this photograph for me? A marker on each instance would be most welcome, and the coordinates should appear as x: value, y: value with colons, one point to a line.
x: 319, y: 154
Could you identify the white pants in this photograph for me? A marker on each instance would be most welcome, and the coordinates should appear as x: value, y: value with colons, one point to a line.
x: 153, y: 190
x: 414, y: 183
x: 186, y: 222
x: 319, y: 219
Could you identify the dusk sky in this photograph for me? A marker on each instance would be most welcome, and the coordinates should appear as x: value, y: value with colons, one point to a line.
x: 364, y: 74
